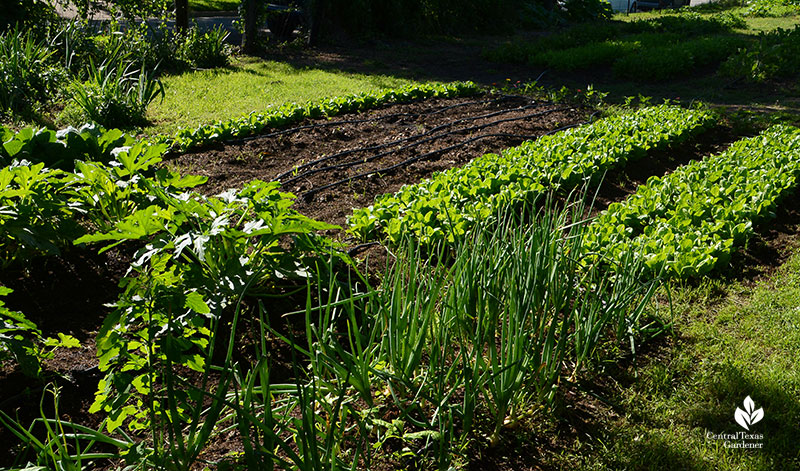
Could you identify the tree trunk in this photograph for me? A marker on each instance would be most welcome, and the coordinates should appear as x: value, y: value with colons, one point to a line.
x: 313, y: 11
x: 181, y: 15
x: 250, y: 27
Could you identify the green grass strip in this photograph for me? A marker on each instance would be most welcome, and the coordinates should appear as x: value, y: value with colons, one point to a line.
x: 449, y: 203
x: 291, y: 113
x: 688, y: 222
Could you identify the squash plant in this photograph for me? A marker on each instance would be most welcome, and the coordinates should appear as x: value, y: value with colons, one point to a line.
x: 58, y: 149
x: 199, y: 255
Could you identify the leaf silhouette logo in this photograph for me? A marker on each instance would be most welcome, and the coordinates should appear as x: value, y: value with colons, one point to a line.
x: 749, y: 415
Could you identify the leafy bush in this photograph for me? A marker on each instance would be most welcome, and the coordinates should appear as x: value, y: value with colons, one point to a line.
x: 772, y: 8
x: 43, y: 210
x: 74, y: 45
x: 35, y: 218
x: 116, y: 94
x: 585, y: 10
x: 588, y: 55
x: 581, y: 41
x: 27, y: 15
x: 775, y: 55
x: 201, y: 255
x: 27, y: 73
x: 689, y: 23
x: 675, y: 60
x: 79, y: 45
x: 204, y: 50
x: 106, y: 194
x: 642, y: 56
x: 407, y: 17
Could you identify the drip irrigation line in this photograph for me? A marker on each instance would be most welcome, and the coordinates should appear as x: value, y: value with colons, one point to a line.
x: 358, y: 247
x: 357, y: 121
x: 433, y: 130
x: 353, y: 163
x: 394, y: 167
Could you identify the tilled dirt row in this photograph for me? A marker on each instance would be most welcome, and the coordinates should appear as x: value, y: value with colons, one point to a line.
x: 336, y: 165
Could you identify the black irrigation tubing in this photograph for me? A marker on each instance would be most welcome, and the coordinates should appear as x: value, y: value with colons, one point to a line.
x: 358, y: 121
x: 358, y: 247
x: 433, y: 130
x: 353, y: 163
x: 410, y: 161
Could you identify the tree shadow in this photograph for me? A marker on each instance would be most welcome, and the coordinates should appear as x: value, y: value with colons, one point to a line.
x: 780, y: 425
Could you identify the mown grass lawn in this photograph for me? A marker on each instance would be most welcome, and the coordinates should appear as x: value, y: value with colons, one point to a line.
x: 214, y: 5
x: 248, y: 85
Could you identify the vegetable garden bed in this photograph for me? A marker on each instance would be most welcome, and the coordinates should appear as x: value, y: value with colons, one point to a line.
x: 197, y: 253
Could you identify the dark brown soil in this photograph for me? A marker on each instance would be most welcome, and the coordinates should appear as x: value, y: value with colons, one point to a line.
x: 64, y: 294
x: 384, y: 150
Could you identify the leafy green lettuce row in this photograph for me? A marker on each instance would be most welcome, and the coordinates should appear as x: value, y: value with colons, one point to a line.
x: 291, y: 113
x: 688, y: 222
x: 450, y: 202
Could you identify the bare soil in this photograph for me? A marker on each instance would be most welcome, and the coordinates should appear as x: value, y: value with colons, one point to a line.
x: 336, y: 165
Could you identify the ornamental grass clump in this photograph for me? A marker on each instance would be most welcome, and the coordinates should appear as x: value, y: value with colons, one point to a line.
x: 117, y: 93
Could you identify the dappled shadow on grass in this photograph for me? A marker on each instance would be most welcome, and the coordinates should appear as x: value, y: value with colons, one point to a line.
x: 780, y: 426
x: 449, y: 59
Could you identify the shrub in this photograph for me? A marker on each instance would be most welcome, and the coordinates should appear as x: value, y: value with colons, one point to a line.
x: 27, y: 73
x: 586, y: 56
x: 776, y: 55
x: 27, y: 15
x: 585, y: 10
x: 403, y: 17
x: 689, y: 23
x: 204, y: 50
x: 140, y: 44
x: 655, y: 31
x: 772, y: 8
x: 674, y: 60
